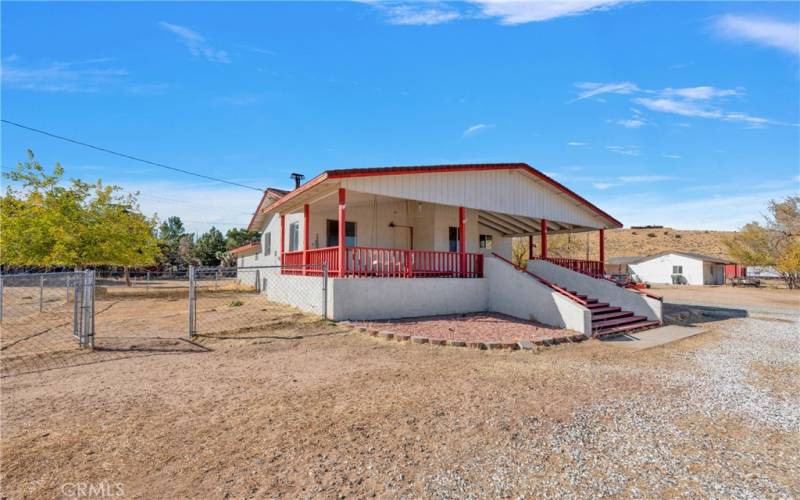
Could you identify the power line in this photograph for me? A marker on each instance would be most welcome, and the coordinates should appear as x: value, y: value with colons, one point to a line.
x: 124, y: 155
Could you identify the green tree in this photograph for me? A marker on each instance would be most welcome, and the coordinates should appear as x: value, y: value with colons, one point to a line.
x: 48, y: 222
x: 170, y: 233
x: 209, y: 247
x: 774, y: 243
x: 237, y: 237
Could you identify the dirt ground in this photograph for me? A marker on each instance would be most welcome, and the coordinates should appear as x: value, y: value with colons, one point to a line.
x: 302, y: 408
x: 730, y: 296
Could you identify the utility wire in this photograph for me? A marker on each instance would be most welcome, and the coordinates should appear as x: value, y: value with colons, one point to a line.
x: 134, y: 158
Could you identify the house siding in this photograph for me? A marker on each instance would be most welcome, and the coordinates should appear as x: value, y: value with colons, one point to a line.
x: 504, y: 191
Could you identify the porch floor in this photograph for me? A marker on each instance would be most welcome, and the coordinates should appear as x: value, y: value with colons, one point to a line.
x: 476, y: 327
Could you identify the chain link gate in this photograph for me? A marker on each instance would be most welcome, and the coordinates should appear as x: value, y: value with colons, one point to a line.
x: 44, y: 313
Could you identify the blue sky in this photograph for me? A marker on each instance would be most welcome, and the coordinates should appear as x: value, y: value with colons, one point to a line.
x: 682, y: 114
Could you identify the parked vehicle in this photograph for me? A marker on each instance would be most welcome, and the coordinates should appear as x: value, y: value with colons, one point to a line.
x: 629, y: 281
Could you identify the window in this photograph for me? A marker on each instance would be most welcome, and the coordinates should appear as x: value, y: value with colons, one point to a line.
x: 485, y: 241
x: 349, y: 233
x: 267, y: 243
x: 294, y: 236
x: 677, y: 269
x: 453, y: 236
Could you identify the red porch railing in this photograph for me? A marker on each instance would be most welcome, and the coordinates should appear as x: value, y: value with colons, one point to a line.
x: 593, y: 268
x: 387, y: 263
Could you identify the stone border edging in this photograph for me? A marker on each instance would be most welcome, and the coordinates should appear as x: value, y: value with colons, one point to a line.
x: 482, y: 345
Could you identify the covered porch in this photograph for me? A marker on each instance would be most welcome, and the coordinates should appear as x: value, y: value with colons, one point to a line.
x: 350, y: 233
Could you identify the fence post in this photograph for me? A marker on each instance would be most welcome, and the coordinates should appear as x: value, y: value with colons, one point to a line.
x: 147, y: 283
x: 1, y: 298
x: 41, y: 293
x: 258, y: 280
x: 87, y: 310
x: 76, y: 313
x: 191, y: 302
x: 324, y: 290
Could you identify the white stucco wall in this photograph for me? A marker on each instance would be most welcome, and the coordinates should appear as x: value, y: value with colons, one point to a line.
x: 391, y: 298
x: 246, y: 276
x: 517, y: 294
x: 659, y: 270
x: 603, y: 290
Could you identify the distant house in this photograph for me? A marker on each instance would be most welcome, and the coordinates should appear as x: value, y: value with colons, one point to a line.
x: 679, y: 268
x: 428, y: 240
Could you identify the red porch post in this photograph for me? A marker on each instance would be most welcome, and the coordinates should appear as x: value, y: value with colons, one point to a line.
x: 603, y: 251
x: 305, y: 238
x: 543, y: 230
x: 283, y: 237
x: 342, y: 233
x: 462, y: 242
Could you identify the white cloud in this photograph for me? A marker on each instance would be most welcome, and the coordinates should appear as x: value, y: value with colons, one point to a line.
x: 700, y: 93
x: 631, y: 123
x: 577, y: 144
x: 691, y: 109
x: 81, y: 76
x: 592, y: 89
x: 410, y: 14
x: 474, y: 129
x: 223, y: 207
x: 673, y: 157
x: 196, y: 43
x: 696, y: 102
x: 631, y: 179
x: 770, y: 32
x: 520, y: 12
x: 624, y: 150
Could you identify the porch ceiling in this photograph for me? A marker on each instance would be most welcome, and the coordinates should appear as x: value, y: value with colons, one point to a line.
x: 324, y: 196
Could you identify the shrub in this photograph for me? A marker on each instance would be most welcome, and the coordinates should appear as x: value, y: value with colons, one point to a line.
x: 651, y: 235
x: 236, y: 303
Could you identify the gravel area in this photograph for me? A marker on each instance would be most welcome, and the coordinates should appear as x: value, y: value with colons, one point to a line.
x: 478, y: 327
x: 305, y: 409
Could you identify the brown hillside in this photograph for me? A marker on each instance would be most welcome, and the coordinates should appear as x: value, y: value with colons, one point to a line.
x: 640, y: 242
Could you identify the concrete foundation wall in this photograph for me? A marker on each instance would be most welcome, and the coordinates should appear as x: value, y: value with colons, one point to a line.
x: 391, y: 298
x: 603, y: 290
x: 302, y: 292
x: 517, y: 294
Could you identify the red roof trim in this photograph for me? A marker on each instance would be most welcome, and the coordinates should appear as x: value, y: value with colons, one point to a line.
x: 278, y: 193
x: 244, y: 248
x: 422, y: 169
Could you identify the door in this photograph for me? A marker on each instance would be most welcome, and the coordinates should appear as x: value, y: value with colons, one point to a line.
x: 718, y: 272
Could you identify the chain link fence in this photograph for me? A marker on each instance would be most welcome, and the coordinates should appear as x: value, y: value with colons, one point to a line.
x: 45, y: 316
x: 229, y: 301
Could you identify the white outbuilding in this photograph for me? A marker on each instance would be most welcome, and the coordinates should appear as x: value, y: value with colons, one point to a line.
x: 679, y: 268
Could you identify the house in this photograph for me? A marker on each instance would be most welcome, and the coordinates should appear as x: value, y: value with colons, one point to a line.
x: 679, y: 268
x: 397, y: 242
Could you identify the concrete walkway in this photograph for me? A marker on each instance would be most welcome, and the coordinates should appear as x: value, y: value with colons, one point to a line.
x: 655, y: 337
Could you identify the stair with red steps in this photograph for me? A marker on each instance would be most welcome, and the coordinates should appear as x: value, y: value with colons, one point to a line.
x: 612, y: 320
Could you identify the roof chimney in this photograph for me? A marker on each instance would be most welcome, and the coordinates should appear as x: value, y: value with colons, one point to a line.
x: 297, y: 179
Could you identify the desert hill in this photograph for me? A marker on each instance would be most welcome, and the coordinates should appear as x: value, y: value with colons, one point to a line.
x: 639, y: 242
